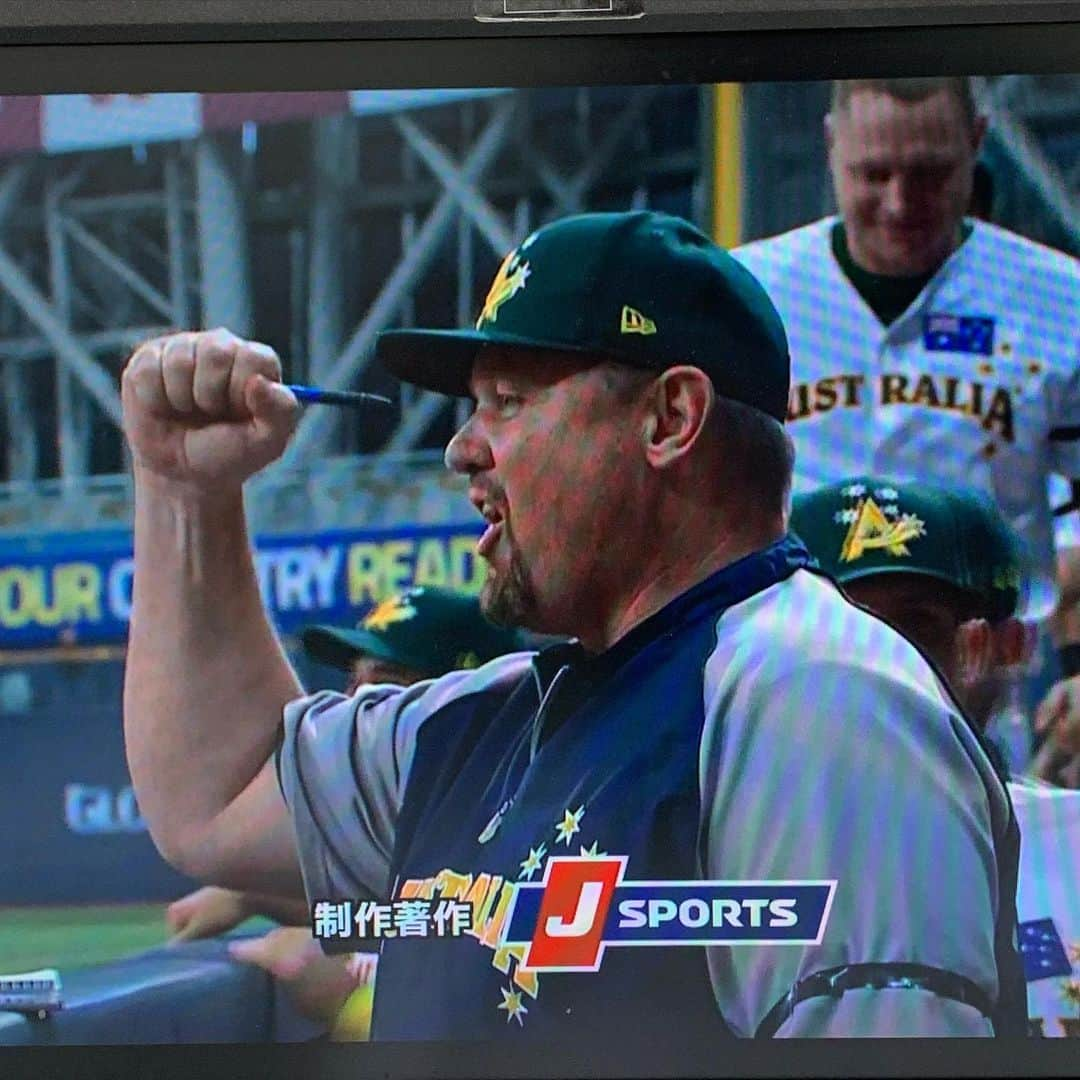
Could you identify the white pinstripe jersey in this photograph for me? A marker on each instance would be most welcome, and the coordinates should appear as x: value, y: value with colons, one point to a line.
x: 977, y: 383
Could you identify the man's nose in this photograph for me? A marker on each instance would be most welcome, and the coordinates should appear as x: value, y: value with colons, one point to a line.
x: 468, y: 451
x: 897, y: 197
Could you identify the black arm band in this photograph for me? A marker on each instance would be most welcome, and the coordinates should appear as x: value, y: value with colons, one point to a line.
x: 1069, y: 658
x: 834, y: 982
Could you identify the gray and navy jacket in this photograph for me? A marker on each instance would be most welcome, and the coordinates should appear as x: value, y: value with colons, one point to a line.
x: 759, y: 727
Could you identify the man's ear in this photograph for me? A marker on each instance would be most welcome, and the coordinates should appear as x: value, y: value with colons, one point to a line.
x: 1014, y: 642
x: 974, y: 651
x: 679, y: 404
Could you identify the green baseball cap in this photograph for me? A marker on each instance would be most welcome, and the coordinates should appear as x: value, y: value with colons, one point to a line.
x: 872, y: 525
x: 432, y: 630
x: 642, y: 288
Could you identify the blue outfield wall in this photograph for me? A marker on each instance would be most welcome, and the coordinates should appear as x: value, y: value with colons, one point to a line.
x: 70, y: 828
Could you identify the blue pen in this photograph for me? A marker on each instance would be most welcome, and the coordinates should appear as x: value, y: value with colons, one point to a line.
x: 312, y: 395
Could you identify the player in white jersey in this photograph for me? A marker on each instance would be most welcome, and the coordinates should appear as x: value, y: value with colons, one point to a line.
x: 975, y: 378
x: 926, y: 345
x: 941, y: 565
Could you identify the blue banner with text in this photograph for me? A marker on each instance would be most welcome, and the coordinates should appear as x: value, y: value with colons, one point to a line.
x: 75, y: 588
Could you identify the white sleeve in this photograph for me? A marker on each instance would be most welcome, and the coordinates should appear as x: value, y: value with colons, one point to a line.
x: 342, y: 768
x: 832, y: 771
x: 1063, y: 406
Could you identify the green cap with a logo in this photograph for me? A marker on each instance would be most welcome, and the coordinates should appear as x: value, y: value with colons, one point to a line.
x: 429, y: 629
x: 642, y: 288
x: 871, y: 525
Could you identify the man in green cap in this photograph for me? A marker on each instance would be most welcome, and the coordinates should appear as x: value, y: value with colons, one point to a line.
x: 943, y: 566
x: 940, y: 564
x: 414, y: 635
x: 626, y: 449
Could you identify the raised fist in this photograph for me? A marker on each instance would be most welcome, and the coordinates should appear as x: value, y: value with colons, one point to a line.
x: 206, y: 409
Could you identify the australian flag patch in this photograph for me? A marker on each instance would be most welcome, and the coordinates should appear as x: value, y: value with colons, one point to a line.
x: 959, y: 333
x: 1042, y: 950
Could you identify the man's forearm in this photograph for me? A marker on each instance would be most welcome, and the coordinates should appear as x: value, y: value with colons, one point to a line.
x: 206, y: 678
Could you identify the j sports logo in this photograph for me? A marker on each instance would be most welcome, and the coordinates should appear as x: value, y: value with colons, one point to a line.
x: 583, y: 905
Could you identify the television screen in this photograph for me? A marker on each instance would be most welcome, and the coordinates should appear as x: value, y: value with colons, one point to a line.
x: 563, y: 559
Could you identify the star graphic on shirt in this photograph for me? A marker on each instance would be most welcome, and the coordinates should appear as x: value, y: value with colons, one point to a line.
x: 591, y: 852
x: 886, y: 494
x: 891, y: 510
x: 854, y: 491
x: 570, y: 824
x: 530, y: 865
x: 514, y: 1006
x: 845, y: 517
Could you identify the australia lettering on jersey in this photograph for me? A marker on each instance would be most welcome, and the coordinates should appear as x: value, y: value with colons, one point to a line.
x: 490, y: 896
x: 991, y: 406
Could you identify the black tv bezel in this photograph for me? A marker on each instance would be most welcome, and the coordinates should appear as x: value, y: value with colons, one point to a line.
x: 46, y: 50
x: 518, y: 60
x: 117, y: 21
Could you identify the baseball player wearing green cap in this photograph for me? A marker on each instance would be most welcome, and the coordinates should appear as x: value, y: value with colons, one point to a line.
x: 722, y: 712
x: 943, y: 558
x: 414, y: 635
x: 943, y: 566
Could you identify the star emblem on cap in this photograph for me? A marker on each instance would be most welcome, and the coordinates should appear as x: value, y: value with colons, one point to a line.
x: 591, y: 852
x: 854, y: 491
x: 570, y: 824
x: 513, y: 1006
x: 533, y: 863
x: 509, y: 281
x: 873, y: 530
x: 394, y: 609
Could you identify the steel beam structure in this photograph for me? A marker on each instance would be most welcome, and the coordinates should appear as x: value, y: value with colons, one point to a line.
x: 224, y: 252
x: 112, y: 250
x: 311, y: 431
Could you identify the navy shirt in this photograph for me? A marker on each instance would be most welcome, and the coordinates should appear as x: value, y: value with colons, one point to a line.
x: 671, y: 749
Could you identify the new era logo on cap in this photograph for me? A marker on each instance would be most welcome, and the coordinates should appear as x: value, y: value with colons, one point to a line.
x: 633, y: 322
